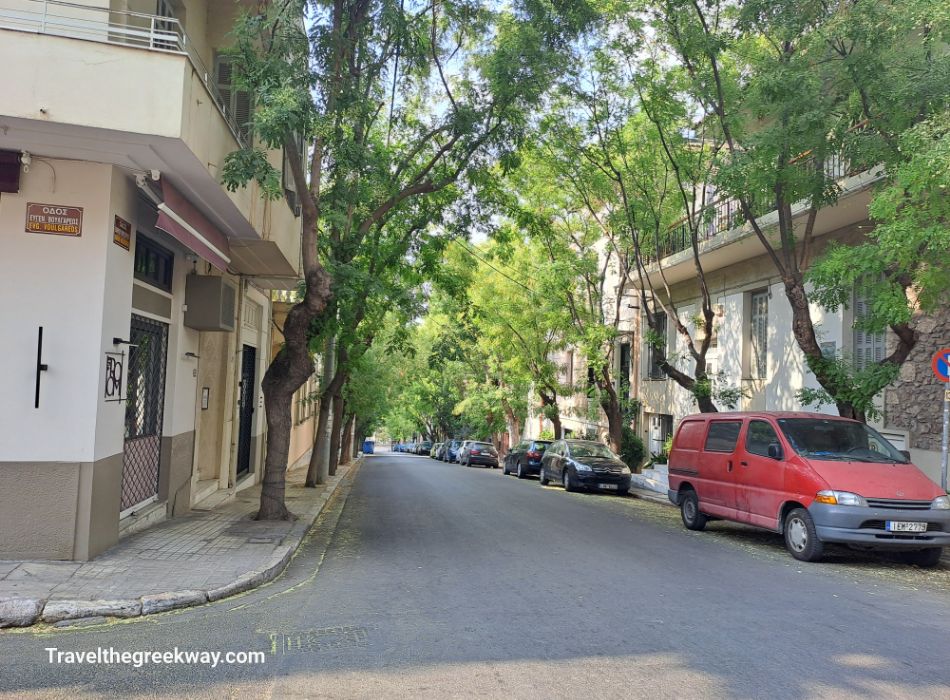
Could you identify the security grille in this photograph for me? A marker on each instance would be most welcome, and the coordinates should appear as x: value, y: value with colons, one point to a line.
x: 144, y: 411
x: 759, y: 334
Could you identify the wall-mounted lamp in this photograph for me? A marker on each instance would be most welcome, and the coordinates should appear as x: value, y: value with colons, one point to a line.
x: 119, y: 341
x: 192, y: 355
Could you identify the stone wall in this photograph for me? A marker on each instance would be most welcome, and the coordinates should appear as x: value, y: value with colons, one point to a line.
x: 915, y: 401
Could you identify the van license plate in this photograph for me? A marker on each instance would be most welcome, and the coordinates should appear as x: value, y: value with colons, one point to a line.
x: 609, y: 487
x: 898, y: 526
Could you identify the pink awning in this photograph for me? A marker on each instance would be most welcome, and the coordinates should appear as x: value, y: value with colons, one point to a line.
x: 180, y: 219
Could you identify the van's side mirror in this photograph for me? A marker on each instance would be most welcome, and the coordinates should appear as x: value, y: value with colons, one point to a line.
x: 906, y: 454
x: 775, y: 450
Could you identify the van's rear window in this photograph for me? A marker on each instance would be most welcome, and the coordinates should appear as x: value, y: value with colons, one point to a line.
x: 723, y: 435
x: 691, y: 435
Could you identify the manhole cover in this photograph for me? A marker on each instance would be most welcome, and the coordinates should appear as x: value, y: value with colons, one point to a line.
x: 317, y: 640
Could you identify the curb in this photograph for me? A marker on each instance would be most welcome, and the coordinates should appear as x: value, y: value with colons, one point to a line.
x: 645, y: 495
x: 24, y: 612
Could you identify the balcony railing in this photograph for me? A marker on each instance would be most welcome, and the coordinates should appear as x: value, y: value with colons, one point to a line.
x: 135, y: 29
x: 726, y: 214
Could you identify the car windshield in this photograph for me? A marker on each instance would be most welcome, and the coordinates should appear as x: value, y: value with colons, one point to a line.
x: 541, y: 446
x: 591, y: 449
x: 482, y: 446
x: 839, y: 440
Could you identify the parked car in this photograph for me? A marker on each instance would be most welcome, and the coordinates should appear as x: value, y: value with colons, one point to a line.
x: 811, y: 477
x: 434, y: 452
x: 422, y: 448
x: 475, y: 452
x: 525, y: 457
x: 584, y: 464
x: 451, y: 452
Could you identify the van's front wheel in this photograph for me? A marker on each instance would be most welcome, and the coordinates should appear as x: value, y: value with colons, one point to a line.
x: 693, y: 519
x: 801, y: 538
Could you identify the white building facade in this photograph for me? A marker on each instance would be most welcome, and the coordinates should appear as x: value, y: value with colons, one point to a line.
x: 134, y: 288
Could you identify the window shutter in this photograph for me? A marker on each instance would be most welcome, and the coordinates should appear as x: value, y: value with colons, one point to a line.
x: 237, y: 103
x: 868, y: 347
x: 222, y: 72
x: 242, y: 113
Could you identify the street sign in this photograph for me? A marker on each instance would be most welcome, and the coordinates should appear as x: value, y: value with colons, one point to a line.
x: 941, y: 365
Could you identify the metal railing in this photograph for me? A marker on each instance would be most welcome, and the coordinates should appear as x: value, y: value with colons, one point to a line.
x: 726, y: 214
x: 125, y: 28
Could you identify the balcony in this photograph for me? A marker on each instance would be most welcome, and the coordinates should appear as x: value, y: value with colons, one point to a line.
x: 101, y: 24
x: 724, y: 236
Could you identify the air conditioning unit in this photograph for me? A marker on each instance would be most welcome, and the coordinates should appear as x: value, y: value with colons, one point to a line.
x: 210, y: 303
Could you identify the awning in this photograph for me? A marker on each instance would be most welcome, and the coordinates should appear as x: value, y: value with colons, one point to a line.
x: 182, y: 221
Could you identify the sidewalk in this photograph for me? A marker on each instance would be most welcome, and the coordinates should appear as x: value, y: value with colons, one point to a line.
x: 203, y: 556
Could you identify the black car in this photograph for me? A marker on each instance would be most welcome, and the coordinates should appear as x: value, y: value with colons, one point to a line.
x: 478, y: 453
x: 525, y: 457
x: 584, y: 464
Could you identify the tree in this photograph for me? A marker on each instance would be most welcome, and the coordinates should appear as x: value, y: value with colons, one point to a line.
x: 792, y: 85
x: 465, y: 75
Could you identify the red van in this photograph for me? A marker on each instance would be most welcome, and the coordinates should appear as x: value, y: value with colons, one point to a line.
x: 814, y: 478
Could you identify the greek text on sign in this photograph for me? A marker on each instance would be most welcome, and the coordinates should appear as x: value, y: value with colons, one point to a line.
x: 53, y: 218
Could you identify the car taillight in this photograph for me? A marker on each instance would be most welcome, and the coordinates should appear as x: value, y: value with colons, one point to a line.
x: 476, y: 452
x: 534, y: 455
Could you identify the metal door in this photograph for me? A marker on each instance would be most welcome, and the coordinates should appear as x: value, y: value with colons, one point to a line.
x: 144, y: 410
x: 246, y: 408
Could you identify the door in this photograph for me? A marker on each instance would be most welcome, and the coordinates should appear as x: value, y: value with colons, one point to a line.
x: 760, y: 479
x: 717, y: 468
x: 247, y: 397
x: 144, y: 411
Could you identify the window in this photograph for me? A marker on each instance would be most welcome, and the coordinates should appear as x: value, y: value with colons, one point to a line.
x: 653, y: 353
x: 758, y: 438
x: 153, y: 264
x: 722, y: 435
x: 868, y: 345
x: 237, y: 103
x: 690, y: 436
x: 759, y: 333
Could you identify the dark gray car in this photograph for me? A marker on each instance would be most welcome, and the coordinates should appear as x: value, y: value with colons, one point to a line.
x: 584, y: 464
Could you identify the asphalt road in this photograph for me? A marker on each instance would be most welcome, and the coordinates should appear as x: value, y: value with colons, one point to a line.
x: 430, y: 580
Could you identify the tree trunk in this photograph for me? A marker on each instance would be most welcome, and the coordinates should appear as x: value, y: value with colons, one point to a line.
x: 514, y: 426
x: 315, y: 475
x: 317, y: 471
x: 292, y: 366
x: 346, y: 441
x: 610, y: 402
x: 555, y: 416
x: 337, y: 432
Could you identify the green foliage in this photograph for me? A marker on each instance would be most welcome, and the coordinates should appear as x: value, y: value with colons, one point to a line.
x: 860, y: 387
x: 632, y: 450
x: 546, y: 434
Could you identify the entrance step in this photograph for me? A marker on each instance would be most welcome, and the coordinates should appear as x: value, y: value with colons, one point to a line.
x: 150, y: 515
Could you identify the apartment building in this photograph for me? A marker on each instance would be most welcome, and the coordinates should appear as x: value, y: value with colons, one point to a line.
x: 753, y: 347
x: 134, y: 288
x: 580, y: 412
